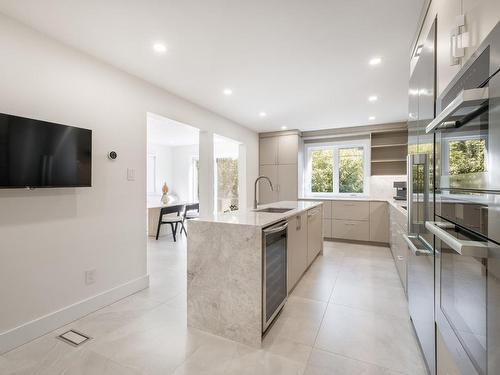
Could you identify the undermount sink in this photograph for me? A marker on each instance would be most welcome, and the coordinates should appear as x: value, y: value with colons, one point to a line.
x: 274, y: 210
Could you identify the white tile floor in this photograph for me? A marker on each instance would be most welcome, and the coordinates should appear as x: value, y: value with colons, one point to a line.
x: 348, y: 315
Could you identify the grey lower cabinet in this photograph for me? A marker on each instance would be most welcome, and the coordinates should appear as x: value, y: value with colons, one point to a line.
x: 314, y: 233
x: 297, y: 248
x: 379, y: 222
x: 399, y: 249
x: 305, y: 242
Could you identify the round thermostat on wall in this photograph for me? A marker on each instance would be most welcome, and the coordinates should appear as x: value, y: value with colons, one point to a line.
x: 112, y: 155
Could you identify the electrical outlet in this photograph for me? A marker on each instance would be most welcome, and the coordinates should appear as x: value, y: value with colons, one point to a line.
x: 89, y: 277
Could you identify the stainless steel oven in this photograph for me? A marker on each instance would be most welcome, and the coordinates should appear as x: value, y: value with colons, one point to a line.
x: 274, y: 271
x: 466, y: 225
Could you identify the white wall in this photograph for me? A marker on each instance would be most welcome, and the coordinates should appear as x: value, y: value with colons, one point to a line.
x: 182, y: 171
x: 50, y: 237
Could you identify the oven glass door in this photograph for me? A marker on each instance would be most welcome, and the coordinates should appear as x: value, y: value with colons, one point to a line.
x: 468, y: 153
x: 463, y: 288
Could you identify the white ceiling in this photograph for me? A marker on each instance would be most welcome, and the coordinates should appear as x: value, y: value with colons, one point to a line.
x: 166, y: 132
x: 303, y: 62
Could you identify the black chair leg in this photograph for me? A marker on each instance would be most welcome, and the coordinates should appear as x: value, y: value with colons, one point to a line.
x: 158, y: 230
x: 183, y: 228
x: 174, y: 230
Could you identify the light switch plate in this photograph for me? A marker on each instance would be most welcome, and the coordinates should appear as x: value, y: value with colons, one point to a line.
x: 130, y: 174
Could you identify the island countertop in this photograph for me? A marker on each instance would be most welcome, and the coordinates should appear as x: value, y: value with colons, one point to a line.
x: 261, y: 219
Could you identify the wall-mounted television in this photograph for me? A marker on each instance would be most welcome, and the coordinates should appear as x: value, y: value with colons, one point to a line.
x: 40, y: 154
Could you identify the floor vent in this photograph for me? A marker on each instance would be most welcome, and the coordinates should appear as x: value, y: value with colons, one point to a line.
x: 74, y: 338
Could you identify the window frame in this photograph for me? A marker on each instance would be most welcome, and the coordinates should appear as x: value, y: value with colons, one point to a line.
x: 335, y: 146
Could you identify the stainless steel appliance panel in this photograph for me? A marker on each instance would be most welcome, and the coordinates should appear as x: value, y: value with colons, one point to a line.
x: 420, y: 275
x: 467, y: 212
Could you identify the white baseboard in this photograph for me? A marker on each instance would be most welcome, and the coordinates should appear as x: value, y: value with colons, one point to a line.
x: 38, y: 327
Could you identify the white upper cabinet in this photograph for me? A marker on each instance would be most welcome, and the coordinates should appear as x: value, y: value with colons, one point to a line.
x: 480, y: 18
x: 288, y: 149
x: 268, y: 151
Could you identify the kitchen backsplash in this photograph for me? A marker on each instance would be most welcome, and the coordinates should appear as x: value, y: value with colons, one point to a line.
x: 381, y: 186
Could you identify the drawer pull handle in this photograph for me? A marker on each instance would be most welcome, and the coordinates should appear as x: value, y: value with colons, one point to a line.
x: 400, y: 257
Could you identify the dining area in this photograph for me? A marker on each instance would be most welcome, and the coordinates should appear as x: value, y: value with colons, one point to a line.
x: 169, y: 219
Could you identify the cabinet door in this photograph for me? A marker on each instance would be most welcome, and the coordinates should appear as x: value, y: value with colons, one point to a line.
x: 480, y: 18
x: 379, y: 222
x: 287, y: 182
x: 265, y: 193
x: 297, y: 248
x: 447, y: 12
x: 327, y: 228
x: 314, y: 233
x: 268, y: 151
x: 288, y: 149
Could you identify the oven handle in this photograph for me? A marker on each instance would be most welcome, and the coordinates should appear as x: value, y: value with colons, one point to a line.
x: 275, y: 229
x: 463, y: 247
x: 413, y: 248
x: 471, y: 97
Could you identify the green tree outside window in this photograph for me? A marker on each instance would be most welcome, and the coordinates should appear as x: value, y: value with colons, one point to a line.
x: 322, y: 171
x: 351, y: 170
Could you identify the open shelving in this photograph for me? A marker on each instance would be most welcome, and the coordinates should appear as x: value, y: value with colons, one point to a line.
x: 388, y: 152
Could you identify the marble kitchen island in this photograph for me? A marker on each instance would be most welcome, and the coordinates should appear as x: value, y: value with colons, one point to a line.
x: 225, y: 265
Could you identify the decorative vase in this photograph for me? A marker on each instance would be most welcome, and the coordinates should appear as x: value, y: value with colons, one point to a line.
x: 164, y: 197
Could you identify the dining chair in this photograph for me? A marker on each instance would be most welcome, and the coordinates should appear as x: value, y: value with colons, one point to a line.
x: 174, y: 221
x: 191, y: 211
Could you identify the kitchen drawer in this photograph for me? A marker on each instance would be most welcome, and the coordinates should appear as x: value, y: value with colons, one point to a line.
x: 351, y: 230
x: 327, y: 228
x: 350, y: 210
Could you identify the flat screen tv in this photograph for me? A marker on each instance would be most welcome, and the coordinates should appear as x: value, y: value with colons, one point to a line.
x: 39, y: 154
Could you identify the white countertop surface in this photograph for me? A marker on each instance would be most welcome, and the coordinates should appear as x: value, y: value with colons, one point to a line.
x: 260, y: 219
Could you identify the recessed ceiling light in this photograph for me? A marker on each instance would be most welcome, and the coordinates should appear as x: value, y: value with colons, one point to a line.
x: 159, y: 48
x: 375, y: 61
x: 373, y: 98
x: 227, y: 92
x: 284, y: 127
x: 262, y: 114
x: 371, y: 118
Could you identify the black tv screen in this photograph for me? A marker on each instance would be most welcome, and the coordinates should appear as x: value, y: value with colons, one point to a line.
x: 39, y: 154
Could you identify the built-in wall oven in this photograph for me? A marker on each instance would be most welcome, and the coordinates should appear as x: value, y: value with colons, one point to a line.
x: 274, y: 271
x: 466, y: 225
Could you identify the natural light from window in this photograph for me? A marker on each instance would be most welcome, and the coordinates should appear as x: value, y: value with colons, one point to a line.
x: 336, y: 168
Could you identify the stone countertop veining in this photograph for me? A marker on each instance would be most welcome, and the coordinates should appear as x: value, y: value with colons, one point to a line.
x: 260, y: 219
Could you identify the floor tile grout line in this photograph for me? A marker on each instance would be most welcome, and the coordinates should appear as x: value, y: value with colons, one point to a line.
x: 361, y: 360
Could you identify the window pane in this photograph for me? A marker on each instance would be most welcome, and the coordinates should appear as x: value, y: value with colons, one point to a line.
x: 467, y: 157
x: 322, y: 171
x: 351, y: 170
x: 227, y: 184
